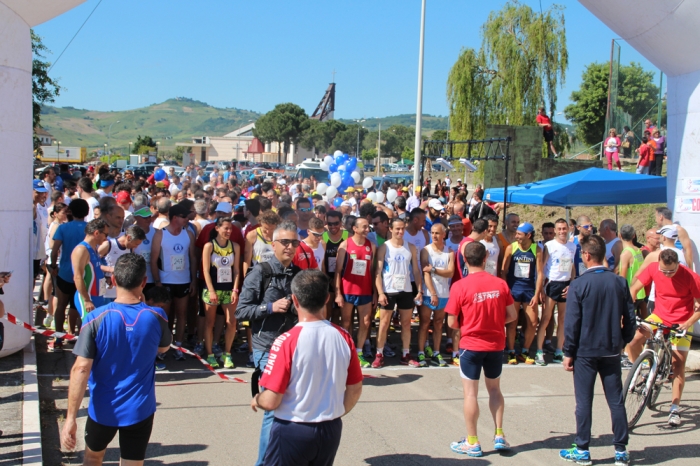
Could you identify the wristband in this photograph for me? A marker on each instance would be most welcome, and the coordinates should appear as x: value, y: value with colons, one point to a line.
x: 236, y: 290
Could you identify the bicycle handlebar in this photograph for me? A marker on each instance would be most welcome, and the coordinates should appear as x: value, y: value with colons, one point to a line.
x: 673, y: 328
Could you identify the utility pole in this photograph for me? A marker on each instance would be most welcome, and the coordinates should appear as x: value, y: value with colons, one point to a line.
x: 419, y: 103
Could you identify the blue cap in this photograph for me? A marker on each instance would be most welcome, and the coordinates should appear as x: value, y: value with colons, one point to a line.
x: 106, y: 183
x: 39, y: 187
x: 526, y: 228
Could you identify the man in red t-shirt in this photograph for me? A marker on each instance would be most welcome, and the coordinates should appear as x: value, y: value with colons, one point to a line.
x: 646, y: 153
x: 547, y: 130
x: 480, y: 305
x: 677, y: 301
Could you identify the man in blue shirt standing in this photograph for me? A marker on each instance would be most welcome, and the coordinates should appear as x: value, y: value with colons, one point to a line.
x: 117, y: 345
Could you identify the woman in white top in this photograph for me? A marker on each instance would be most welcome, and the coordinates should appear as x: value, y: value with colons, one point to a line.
x: 59, y: 215
x: 438, y: 265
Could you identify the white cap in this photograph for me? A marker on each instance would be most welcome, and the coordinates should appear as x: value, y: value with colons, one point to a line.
x: 669, y: 231
x: 435, y: 204
x: 224, y: 207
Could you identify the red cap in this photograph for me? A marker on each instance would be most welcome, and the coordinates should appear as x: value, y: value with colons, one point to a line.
x: 123, y: 197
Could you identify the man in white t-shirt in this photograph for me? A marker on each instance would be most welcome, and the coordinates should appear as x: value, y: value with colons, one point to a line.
x: 85, y: 189
x: 312, y: 379
x: 448, y: 181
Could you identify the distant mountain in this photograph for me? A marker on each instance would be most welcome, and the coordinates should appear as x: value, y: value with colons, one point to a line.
x: 175, y: 120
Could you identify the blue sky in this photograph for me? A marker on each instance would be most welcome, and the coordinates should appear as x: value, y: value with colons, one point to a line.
x: 255, y: 54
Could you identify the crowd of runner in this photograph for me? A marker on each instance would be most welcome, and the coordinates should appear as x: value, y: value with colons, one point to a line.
x: 389, y: 264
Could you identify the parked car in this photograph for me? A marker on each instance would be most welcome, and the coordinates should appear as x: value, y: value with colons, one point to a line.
x: 369, y: 167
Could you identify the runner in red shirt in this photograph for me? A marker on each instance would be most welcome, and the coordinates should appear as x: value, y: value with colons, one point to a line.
x: 677, y: 301
x: 480, y: 305
x: 547, y: 130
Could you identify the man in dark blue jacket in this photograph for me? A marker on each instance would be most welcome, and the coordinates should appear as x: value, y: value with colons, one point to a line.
x: 597, y: 302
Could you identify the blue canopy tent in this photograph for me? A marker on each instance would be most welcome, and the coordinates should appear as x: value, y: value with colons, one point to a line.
x: 590, y: 187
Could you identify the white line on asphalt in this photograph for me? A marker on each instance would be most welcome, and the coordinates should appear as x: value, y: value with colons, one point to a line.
x: 31, y: 425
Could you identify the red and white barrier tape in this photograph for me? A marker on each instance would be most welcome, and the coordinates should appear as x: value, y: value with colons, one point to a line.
x: 208, y: 366
x: 47, y: 332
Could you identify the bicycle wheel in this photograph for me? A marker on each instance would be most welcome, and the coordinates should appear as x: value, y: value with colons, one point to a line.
x: 661, y: 376
x: 635, y: 388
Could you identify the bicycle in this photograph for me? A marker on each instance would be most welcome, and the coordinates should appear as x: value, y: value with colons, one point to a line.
x: 649, y: 372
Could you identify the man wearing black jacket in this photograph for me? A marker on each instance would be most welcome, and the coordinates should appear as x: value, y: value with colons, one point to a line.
x: 596, y: 304
x: 265, y: 302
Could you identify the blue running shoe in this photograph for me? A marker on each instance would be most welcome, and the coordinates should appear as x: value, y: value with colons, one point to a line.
x: 574, y: 455
x: 499, y: 443
x: 160, y: 366
x: 464, y: 448
x: 622, y: 458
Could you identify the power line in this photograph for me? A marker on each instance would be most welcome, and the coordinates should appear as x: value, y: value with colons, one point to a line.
x: 74, y: 36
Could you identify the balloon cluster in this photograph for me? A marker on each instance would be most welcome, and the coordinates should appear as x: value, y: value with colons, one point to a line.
x: 341, y: 176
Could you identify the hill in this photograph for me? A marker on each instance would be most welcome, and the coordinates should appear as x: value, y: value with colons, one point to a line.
x: 174, y: 120
x: 430, y: 122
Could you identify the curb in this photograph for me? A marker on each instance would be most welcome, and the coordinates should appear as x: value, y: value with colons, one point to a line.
x: 31, y: 425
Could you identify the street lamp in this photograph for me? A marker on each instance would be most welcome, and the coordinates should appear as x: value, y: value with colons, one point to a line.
x: 105, y: 151
x: 129, y: 149
x: 357, y: 151
x: 109, y: 136
x: 157, y: 146
x: 419, y: 102
x: 379, y: 148
x: 58, y: 152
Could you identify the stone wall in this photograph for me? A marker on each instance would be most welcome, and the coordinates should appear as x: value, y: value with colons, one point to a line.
x: 526, y: 162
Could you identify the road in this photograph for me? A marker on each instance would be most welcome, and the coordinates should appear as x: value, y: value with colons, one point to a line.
x: 404, y: 417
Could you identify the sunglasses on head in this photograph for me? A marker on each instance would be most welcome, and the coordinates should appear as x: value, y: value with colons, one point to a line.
x: 287, y: 242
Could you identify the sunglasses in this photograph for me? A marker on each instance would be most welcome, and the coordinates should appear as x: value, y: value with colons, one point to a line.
x: 287, y: 242
x: 586, y: 227
x: 669, y: 272
x: 316, y: 234
x: 333, y: 224
x: 183, y: 215
x: 305, y: 209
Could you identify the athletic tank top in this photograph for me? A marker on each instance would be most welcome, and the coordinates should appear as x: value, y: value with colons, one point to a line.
x: 144, y: 249
x: 357, y: 279
x: 94, y: 279
x: 579, y: 266
x: 454, y: 247
x: 635, y: 264
x: 418, y: 240
x: 397, y: 272
x: 522, y: 272
x: 492, y: 259
x: 174, y: 260
x: 609, y: 257
x: 221, y: 268
x: 115, y: 252
x: 319, y: 254
x: 439, y: 260
x: 560, y: 260
x: 461, y: 263
x: 332, y: 251
x: 262, y: 249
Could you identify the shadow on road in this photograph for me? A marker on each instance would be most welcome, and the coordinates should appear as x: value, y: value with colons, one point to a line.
x: 154, y: 450
x: 420, y: 460
x: 385, y: 380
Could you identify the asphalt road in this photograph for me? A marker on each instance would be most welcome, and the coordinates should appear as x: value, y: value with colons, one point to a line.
x: 404, y: 417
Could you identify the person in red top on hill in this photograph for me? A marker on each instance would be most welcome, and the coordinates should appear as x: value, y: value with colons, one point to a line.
x: 547, y: 129
x: 480, y: 305
x: 645, y: 154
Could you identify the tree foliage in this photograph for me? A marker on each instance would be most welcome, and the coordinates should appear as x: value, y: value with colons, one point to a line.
x: 285, y: 125
x: 44, y: 89
x: 522, y: 60
x: 637, y: 93
x: 319, y: 135
x: 347, y: 140
x: 144, y: 145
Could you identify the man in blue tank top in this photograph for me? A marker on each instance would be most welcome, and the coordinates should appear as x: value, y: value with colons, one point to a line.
x: 117, y: 345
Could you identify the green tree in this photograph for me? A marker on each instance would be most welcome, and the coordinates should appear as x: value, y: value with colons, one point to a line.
x: 522, y: 60
x: 144, y: 145
x: 319, y: 135
x: 636, y: 95
x: 346, y: 140
x: 285, y: 125
x: 44, y: 89
x: 439, y: 135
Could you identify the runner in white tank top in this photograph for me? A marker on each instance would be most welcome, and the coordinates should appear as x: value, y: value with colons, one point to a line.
x: 320, y: 254
x: 174, y: 258
x: 560, y: 258
x: 609, y: 256
x: 396, y: 273
x: 492, y: 247
x: 112, y: 249
x: 144, y: 250
x: 418, y: 240
x: 262, y: 249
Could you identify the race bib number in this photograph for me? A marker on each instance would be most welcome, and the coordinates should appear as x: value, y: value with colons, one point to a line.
x: 581, y: 268
x: 147, y: 256
x: 522, y: 270
x: 565, y: 265
x: 224, y: 275
x: 399, y: 282
x: 491, y: 267
x: 331, y: 264
x: 102, y: 289
x: 359, y: 267
x: 267, y: 256
x: 177, y: 263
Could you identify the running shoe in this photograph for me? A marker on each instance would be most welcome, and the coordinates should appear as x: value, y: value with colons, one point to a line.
x: 363, y: 362
x: 250, y: 362
x: 455, y: 361
x: 211, y: 360
x: 48, y: 321
x: 388, y: 352
x: 512, y: 360
x: 529, y: 360
x: 216, y: 349
x: 522, y: 357
x: 548, y: 348
x: 160, y: 366
x: 408, y: 361
x: 367, y: 351
x: 198, y: 349
x: 160, y: 356
x: 228, y: 363
x: 539, y: 359
x: 577, y: 456
x: 378, y: 361
x: 243, y: 348
x: 625, y: 362
x: 421, y: 360
x: 622, y: 458
x: 440, y: 360
x: 499, y: 443
x: 55, y: 346
x: 449, y: 348
x: 179, y: 355
x: 429, y: 351
x: 558, y: 358
x: 464, y: 448
x: 674, y: 419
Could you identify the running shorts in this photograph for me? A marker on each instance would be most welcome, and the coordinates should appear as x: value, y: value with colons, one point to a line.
x: 554, y: 290
x: 522, y: 295
x: 357, y: 299
x: 133, y: 439
x: 402, y: 301
x: 442, y: 303
x: 177, y: 291
x: 677, y: 344
x: 224, y: 297
x: 471, y: 363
